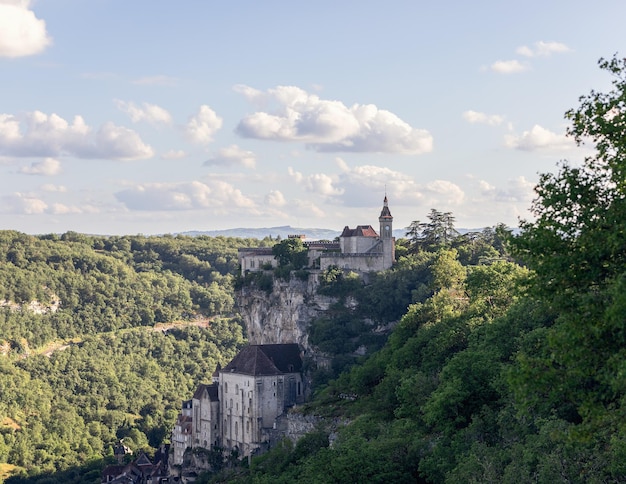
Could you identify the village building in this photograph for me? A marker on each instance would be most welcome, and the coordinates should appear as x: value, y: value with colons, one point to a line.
x: 206, y: 424
x: 361, y: 249
x: 182, y: 437
x: 239, y: 411
x: 142, y: 470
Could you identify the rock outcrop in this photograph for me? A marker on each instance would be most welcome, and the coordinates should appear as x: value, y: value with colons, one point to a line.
x: 284, y: 314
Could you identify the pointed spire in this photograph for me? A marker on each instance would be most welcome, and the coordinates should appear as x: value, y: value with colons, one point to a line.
x: 385, y: 213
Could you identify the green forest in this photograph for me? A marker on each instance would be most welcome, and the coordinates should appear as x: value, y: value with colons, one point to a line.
x: 509, y: 366
x: 506, y: 362
x: 101, y: 338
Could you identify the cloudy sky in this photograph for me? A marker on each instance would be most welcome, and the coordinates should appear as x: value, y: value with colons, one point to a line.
x: 156, y: 116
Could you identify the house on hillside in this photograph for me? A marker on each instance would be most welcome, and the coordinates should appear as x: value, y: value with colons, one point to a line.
x: 182, y: 434
x: 360, y: 249
x: 140, y: 471
x: 239, y: 411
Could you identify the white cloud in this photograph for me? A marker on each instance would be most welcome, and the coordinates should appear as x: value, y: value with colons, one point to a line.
x: 543, y: 49
x: 539, y: 138
x: 296, y: 175
x: 275, y: 199
x: 173, y: 155
x: 21, y: 203
x: 120, y: 143
x: 49, y: 187
x: 231, y: 156
x: 444, y: 192
x: 318, y: 183
x: 39, y: 134
x: 150, y: 113
x: 214, y: 195
x: 307, y: 208
x: 509, y: 67
x: 202, y: 126
x: 518, y: 190
x: 21, y: 32
x: 46, y: 167
x: 62, y: 209
x: 475, y: 117
x: 330, y: 125
x: 355, y: 187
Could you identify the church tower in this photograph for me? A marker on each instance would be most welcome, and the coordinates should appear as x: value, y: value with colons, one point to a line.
x: 386, y: 235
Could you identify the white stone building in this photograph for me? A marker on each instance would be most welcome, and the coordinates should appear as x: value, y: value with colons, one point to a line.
x: 205, y: 411
x: 239, y: 412
x: 360, y: 249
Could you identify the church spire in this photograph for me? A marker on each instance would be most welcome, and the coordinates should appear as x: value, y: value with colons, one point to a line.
x: 385, y: 212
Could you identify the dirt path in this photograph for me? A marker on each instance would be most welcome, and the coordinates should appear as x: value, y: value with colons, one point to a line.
x: 60, y: 345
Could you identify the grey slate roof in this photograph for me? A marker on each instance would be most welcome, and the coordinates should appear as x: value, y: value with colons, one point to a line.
x: 265, y: 360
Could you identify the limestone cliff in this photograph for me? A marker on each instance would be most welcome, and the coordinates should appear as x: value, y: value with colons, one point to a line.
x: 284, y: 314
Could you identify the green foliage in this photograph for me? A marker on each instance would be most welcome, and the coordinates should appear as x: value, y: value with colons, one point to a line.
x: 291, y: 252
x: 438, y: 232
x: 338, y: 283
x: 576, y: 248
x: 91, y: 305
x: 73, y: 405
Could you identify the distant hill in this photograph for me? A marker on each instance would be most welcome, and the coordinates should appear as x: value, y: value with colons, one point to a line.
x: 260, y: 233
x: 286, y: 230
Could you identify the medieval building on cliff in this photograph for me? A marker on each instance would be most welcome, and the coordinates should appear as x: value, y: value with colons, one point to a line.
x: 360, y: 249
x: 244, y: 407
x: 240, y: 409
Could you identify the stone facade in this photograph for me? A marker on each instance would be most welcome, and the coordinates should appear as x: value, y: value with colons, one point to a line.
x: 240, y: 411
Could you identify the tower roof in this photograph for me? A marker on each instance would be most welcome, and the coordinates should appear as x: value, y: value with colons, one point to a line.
x: 385, y: 212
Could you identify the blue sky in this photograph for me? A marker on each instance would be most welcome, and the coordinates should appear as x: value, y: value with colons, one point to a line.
x: 126, y: 117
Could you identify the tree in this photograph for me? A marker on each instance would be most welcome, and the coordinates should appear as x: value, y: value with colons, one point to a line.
x: 438, y: 232
x: 577, y: 250
x: 291, y: 252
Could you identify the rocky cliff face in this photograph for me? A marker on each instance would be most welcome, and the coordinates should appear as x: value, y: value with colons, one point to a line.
x: 284, y: 314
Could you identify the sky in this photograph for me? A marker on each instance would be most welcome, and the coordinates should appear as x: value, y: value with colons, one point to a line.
x: 163, y: 116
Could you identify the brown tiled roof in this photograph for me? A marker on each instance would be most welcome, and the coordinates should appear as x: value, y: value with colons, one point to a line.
x: 266, y: 360
x: 359, y: 231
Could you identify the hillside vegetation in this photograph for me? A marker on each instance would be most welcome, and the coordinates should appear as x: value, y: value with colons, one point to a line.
x: 82, y: 363
x: 508, y: 364
x: 503, y: 374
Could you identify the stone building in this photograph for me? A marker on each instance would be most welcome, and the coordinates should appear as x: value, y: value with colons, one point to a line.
x: 256, y: 387
x: 205, y: 410
x: 182, y: 434
x: 240, y: 410
x: 360, y: 249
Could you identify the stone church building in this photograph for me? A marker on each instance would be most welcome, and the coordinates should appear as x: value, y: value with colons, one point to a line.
x: 361, y: 249
x: 238, y: 411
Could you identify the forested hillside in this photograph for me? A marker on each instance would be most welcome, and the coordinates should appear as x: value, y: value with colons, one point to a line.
x: 83, y: 359
x: 508, y: 363
x: 504, y: 373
